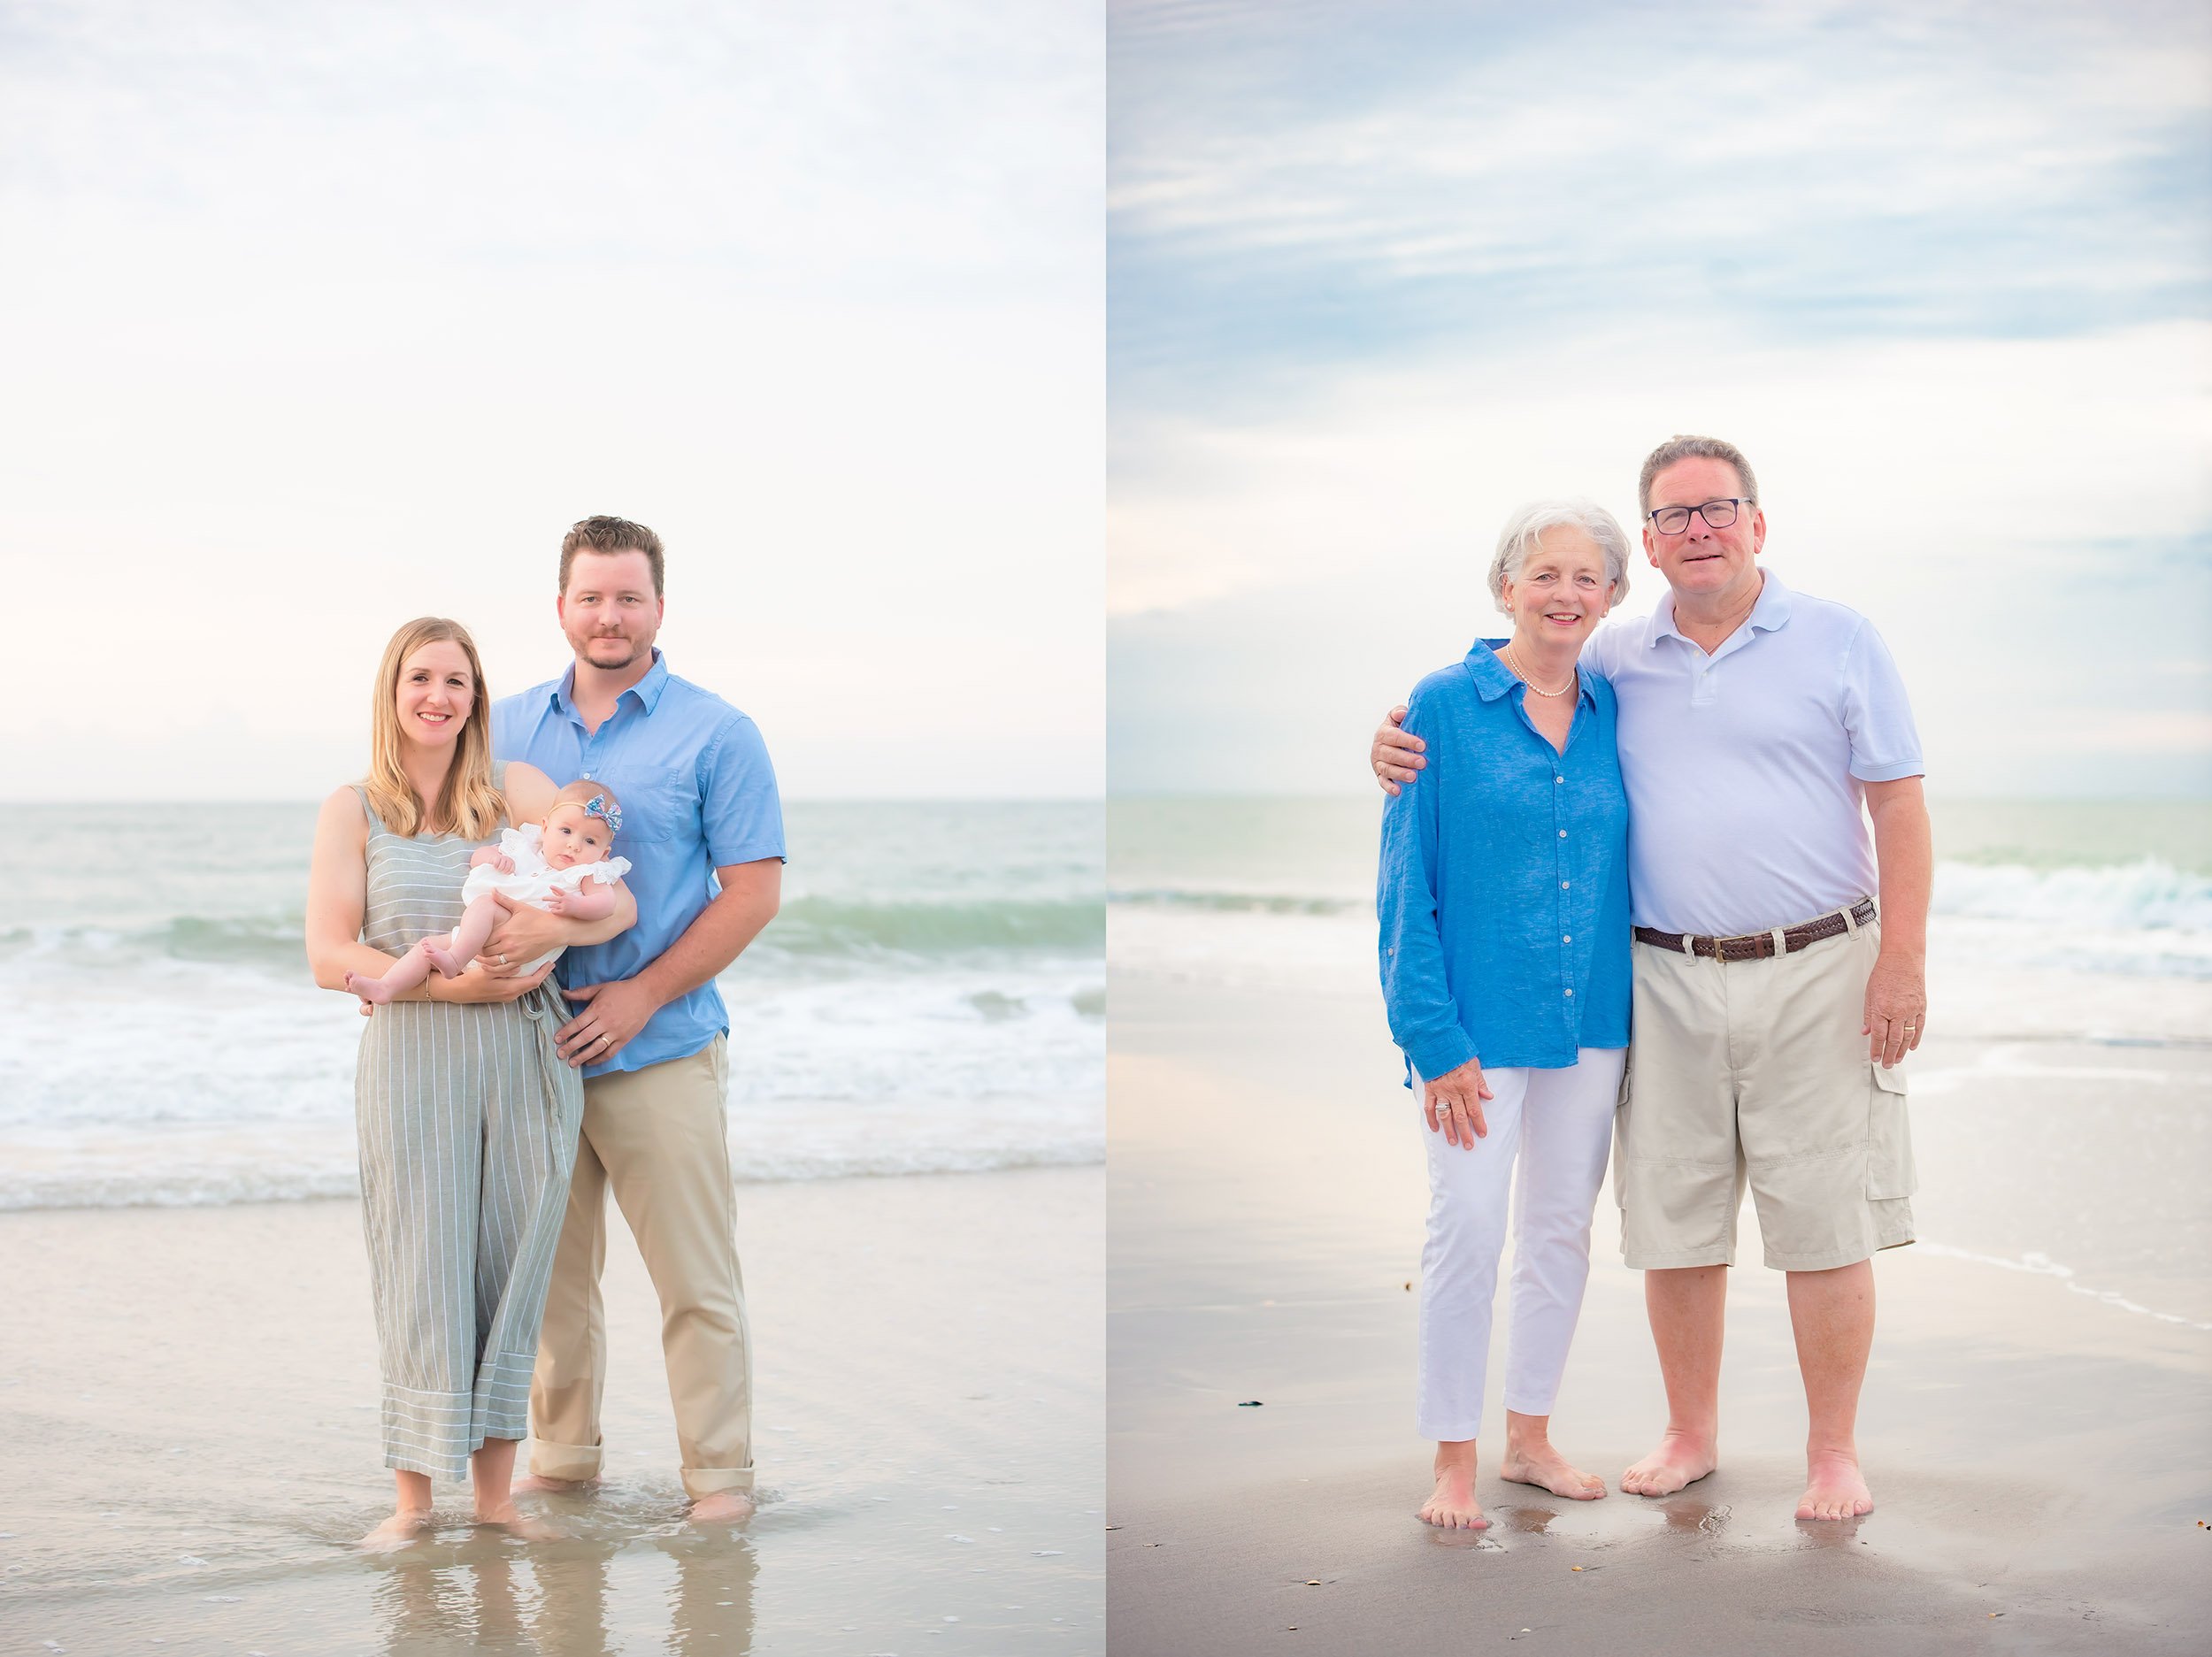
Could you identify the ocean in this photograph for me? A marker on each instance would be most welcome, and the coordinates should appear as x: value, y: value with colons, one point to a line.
x: 2061, y: 1098
x: 930, y: 1000
x: 2076, y: 918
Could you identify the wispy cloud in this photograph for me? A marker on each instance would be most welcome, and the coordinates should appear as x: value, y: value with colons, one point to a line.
x: 1379, y: 273
x: 1292, y: 192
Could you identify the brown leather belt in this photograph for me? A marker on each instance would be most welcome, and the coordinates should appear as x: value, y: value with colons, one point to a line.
x: 1759, y: 946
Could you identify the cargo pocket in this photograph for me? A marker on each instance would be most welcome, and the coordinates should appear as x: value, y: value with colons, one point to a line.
x: 1889, y: 1170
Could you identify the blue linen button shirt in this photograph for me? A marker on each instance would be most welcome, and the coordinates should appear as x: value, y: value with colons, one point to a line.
x: 1502, y: 893
x: 697, y: 793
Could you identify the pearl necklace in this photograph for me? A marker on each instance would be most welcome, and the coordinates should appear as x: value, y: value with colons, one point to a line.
x: 1521, y: 673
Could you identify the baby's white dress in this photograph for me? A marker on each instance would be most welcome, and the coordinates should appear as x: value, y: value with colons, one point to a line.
x: 533, y: 879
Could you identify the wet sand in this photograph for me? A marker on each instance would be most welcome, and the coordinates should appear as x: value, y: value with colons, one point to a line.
x: 2041, y: 1454
x: 188, y: 1397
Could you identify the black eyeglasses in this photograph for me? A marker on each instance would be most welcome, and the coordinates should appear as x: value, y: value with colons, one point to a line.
x: 1672, y: 520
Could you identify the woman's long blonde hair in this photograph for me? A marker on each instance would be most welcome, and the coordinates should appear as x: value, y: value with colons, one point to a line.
x: 468, y: 805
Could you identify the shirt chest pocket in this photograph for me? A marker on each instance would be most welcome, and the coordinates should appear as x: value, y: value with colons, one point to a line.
x: 661, y: 803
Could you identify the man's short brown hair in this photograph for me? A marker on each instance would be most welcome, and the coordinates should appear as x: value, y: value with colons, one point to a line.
x: 611, y: 536
x: 1660, y: 458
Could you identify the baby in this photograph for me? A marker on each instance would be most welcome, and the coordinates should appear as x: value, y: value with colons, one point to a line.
x: 561, y: 867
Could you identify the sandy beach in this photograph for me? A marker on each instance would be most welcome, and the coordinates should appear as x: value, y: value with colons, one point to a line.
x: 2038, y: 1434
x: 188, y: 1397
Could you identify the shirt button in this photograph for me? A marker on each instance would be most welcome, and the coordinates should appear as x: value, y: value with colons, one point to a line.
x: 1571, y: 992
x: 1563, y: 885
x: 1566, y: 938
x: 1563, y: 834
x: 1559, y: 780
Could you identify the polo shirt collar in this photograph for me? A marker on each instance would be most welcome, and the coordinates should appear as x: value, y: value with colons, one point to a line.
x: 1494, y: 678
x: 1768, y: 614
x: 647, y: 690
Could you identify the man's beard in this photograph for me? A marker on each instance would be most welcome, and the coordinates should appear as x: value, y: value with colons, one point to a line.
x: 630, y: 648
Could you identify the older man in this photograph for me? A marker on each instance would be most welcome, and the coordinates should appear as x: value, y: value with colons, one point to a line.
x: 1771, y: 1005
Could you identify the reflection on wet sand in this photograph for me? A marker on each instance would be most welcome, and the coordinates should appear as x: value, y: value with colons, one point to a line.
x: 492, y: 1596
x: 1693, y: 1514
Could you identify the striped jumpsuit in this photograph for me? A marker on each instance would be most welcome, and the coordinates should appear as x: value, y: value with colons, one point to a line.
x: 468, y: 1120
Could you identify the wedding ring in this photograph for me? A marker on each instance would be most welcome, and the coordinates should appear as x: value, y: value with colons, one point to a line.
x: 502, y: 958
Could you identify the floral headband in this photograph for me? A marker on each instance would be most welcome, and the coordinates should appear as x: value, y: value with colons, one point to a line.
x: 606, y: 811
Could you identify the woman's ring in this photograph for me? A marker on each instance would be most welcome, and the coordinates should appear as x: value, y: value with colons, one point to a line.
x: 502, y: 958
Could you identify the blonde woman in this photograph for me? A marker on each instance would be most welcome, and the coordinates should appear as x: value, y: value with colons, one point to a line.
x: 467, y: 1116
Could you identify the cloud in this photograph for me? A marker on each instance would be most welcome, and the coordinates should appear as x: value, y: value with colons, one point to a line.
x: 1775, y: 174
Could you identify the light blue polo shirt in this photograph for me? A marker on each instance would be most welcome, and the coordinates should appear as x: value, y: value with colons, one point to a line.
x: 1503, y: 890
x: 1746, y: 767
x: 697, y: 793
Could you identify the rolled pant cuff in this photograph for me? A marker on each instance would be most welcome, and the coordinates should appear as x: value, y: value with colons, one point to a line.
x: 564, y: 1461
x: 705, y: 1481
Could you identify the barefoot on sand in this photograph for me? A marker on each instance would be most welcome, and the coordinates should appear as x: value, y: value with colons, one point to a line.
x: 1679, y: 1460
x: 1452, y: 1505
x: 1833, y: 1489
x: 1541, y: 1465
x: 397, y: 1531
x: 722, y: 1506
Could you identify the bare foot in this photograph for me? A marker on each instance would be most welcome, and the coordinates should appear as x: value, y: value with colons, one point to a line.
x: 405, y: 1525
x: 447, y: 966
x: 722, y: 1506
x: 1679, y: 1460
x: 516, y: 1522
x: 1452, y: 1506
x: 372, y: 992
x: 1833, y: 1489
x: 537, y: 1484
x: 1541, y: 1465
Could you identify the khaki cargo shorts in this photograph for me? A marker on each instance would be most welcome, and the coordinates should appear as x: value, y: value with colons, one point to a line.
x: 1756, y: 1071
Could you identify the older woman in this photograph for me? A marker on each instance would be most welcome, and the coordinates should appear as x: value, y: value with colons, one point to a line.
x: 1504, y: 903
x: 466, y: 1114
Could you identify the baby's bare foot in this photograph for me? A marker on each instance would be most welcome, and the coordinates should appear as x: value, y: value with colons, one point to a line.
x: 371, y: 991
x: 1834, y: 1488
x: 1680, y: 1459
x: 444, y: 961
x: 1541, y: 1465
x: 397, y: 1531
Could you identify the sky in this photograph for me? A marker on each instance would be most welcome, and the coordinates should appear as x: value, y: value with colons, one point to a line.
x: 1379, y: 273
x: 320, y: 316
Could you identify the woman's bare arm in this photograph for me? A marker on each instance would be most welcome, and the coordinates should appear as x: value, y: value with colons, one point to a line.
x: 337, y: 894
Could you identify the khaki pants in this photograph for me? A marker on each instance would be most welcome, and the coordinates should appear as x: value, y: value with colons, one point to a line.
x: 656, y: 1137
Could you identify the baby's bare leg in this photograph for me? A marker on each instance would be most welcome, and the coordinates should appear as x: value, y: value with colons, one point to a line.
x: 406, y: 973
x: 467, y: 939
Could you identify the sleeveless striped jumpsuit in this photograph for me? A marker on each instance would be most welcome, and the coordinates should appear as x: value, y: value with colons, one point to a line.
x: 468, y: 1120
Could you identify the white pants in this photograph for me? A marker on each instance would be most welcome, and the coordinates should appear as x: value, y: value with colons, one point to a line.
x: 1560, y: 1125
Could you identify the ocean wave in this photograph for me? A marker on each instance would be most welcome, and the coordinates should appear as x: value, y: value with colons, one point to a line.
x: 222, y: 1186
x: 1228, y: 902
x: 809, y: 928
x: 2149, y: 894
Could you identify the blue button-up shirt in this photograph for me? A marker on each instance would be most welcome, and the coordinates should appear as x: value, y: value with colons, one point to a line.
x: 697, y: 793
x: 1503, y: 889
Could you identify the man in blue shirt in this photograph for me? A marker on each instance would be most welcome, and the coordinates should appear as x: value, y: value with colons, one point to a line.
x: 702, y: 827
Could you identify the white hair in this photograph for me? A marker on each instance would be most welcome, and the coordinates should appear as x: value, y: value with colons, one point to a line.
x: 1526, y: 528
